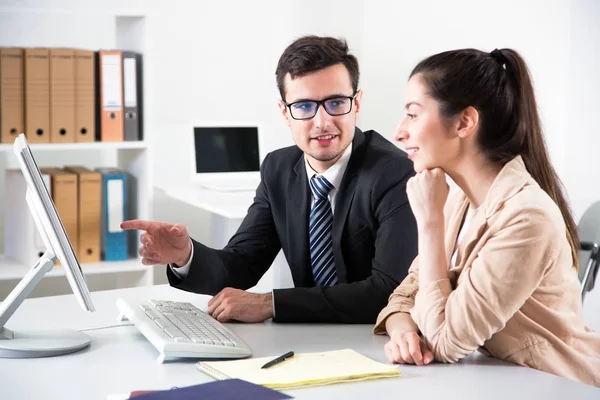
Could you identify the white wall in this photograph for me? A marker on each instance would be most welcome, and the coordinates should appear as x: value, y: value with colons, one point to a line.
x: 398, y: 35
x: 582, y: 131
x: 215, y: 61
x: 560, y: 40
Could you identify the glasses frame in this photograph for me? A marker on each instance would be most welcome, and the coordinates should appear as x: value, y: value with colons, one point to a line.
x: 319, y: 103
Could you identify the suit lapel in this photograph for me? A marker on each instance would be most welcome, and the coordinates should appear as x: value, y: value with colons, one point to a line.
x: 298, y: 205
x: 344, y: 200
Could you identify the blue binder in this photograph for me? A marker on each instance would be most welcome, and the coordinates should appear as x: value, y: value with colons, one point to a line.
x: 114, y: 211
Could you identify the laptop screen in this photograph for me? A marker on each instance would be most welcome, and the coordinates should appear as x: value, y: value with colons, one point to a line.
x: 226, y: 149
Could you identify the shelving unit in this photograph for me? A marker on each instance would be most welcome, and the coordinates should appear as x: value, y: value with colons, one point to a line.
x: 124, y: 30
x: 13, y: 270
x: 78, y: 146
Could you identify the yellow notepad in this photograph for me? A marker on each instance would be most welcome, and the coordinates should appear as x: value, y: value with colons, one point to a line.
x: 302, y: 370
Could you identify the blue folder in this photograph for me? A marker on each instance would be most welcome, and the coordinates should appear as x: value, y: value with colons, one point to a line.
x: 230, y: 389
x: 114, y: 211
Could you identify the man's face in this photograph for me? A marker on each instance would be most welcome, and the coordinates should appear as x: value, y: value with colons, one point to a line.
x: 323, y: 138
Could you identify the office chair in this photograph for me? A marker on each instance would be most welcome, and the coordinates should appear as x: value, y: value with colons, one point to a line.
x: 589, y: 254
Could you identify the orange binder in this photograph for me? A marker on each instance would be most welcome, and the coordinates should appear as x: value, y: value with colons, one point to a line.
x: 85, y: 96
x: 110, y: 86
x: 12, y: 121
x: 62, y: 96
x: 37, y: 95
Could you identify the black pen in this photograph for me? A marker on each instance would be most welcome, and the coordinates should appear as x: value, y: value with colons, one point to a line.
x: 278, y: 360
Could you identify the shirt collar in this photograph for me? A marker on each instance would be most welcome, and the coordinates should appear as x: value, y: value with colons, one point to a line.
x: 335, y: 173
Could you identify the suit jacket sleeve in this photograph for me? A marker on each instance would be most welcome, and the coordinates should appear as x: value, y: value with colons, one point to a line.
x: 402, y: 299
x: 247, y: 256
x: 395, y: 249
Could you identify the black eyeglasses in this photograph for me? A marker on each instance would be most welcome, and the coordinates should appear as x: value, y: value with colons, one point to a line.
x: 334, y: 106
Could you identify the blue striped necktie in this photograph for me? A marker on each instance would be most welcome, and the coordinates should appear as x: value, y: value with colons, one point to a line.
x: 319, y: 233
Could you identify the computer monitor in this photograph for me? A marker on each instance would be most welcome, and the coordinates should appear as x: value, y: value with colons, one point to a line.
x: 226, y: 156
x: 43, y: 343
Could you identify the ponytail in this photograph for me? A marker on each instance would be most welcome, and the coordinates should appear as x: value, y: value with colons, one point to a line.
x: 535, y: 153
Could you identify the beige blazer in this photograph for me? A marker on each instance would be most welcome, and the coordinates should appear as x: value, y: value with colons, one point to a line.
x: 513, y: 291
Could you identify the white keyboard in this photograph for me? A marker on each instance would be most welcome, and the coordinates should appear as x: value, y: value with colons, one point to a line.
x: 181, y: 330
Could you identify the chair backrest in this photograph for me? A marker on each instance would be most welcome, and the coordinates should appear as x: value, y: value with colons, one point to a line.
x: 589, y: 231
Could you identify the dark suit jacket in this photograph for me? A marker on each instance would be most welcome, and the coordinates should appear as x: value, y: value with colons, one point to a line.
x: 374, y: 236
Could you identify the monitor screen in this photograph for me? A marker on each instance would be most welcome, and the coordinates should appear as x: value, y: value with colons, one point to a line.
x: 49, y: 224
x: 226, y: 149
x: 43, y: 343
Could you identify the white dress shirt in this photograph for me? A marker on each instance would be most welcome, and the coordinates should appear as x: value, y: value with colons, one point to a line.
x: 334, y: 175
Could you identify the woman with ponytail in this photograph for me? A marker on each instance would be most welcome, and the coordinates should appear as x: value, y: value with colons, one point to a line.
x: 497, y: 263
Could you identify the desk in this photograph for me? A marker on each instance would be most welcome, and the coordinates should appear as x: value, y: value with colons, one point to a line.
x: 227, y: 210
x: 120, y: 359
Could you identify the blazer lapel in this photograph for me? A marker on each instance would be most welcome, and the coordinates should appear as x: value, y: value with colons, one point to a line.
x: 509, y: 181
x: 344, y: 200
x: 298, y: 208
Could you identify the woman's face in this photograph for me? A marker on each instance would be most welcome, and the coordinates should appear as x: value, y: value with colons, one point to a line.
x: 428, y: 139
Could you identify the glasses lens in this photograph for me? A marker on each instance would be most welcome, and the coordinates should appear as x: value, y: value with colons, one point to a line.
x: 303, y: 109
x: 338, y: 106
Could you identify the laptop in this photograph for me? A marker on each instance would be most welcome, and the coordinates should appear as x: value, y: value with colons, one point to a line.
x: 226, y: 157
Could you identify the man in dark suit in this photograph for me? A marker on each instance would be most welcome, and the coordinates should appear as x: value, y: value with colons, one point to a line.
x: 336, y: 203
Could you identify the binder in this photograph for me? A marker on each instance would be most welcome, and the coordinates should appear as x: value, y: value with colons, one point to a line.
x: 62, y: 96
x: 89, y: 204
x: 114, y: 211
x: 22, y: 240
x: 12, y: 116
x: 110, y: 93
x: 132, y: 96
x: 37, y: 95
x: 85, y: 96
x: 64, y: 196
x: 230, y: 389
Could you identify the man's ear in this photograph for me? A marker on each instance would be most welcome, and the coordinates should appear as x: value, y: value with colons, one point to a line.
x: 468, y: 122
x: 283, y: 110
x: 358, y: 101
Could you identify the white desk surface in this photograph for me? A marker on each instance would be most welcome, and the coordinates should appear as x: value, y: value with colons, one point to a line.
x: 232, y: 205
x: 120, y: 359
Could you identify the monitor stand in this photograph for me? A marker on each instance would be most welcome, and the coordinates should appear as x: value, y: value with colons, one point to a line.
x: 33, y: 344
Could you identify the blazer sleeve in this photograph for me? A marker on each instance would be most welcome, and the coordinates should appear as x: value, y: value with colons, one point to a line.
x: 245, y: 259
x: 395, y: 248
x: 507, y: 270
